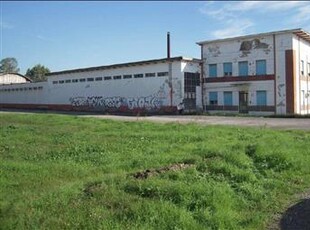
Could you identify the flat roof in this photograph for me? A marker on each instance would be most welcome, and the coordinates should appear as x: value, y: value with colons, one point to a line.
x: 128, y: 64
x: 299, y: 32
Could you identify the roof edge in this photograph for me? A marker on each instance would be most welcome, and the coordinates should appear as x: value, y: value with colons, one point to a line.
x: 178, y: 58
x: 249, y: 35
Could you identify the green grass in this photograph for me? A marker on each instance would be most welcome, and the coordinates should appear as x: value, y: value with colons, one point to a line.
x: 67, y: 172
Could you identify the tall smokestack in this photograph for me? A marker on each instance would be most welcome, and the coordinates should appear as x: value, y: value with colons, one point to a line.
x: 168, y: 45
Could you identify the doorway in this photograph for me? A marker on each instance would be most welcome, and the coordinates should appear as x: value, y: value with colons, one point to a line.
x: 243, y: 102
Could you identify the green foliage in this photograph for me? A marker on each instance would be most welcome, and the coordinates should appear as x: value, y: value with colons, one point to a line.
x: 38, y: 73
x: 66, y: 172
x: 9, y: 65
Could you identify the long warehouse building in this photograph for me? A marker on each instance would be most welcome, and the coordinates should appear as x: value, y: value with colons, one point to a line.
x: 153, y: 86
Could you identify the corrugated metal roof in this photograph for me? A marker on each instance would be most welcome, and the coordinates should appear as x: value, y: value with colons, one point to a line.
x: 129, y: 64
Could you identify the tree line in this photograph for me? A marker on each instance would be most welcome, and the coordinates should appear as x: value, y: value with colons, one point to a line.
x: 36, y: 73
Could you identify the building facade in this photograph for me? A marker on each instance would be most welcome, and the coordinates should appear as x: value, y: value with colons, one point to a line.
x: 263, y: 74
x: 153, y: 86
x: 258, y: 74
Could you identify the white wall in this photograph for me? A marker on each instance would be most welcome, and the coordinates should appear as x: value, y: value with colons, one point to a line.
x: 151, y: 93
x: 255, y: 48
x: 302, y: 89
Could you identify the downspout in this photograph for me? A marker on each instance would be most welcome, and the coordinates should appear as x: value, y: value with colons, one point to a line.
x: 202, y: 79
x: 170, y: 69
x: 275, y: 73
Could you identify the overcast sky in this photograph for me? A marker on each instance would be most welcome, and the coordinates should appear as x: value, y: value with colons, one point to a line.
x: 67, y: 35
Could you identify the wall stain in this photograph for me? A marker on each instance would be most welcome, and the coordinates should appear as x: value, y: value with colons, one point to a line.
x: 247, y: 46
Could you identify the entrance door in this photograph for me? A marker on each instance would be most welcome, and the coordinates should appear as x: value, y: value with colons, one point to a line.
x: 243, y: 102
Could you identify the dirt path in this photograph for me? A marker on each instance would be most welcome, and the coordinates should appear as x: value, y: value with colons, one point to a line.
x: 277, y: 123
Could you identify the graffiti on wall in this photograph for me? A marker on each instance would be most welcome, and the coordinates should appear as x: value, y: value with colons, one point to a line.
x: 247, y: 46
x: 214, y: 50
x: 151, y: 102
x: 281, y: 95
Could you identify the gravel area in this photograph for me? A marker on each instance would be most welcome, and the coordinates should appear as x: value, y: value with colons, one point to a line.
x: 277, y: 123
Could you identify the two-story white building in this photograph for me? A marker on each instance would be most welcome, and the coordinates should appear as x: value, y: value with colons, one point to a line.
x: 265, y: 73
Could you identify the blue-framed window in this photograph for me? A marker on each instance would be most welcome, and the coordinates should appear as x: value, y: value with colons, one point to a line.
x: 213, y: 98
x: 243, y: 68
x: 212, y: 70
x: 261, y: 67
x: 227, y: 67
x: 228, y: 98
x: 261, y: 97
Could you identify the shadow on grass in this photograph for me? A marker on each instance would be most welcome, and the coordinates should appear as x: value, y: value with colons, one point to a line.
x: 297, y: 216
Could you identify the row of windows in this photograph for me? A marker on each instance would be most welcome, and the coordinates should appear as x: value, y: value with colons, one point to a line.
x: 116, y: 77
x: 261, y: 98
x: 243, y: 69
x: 302, y: 68
x: 22, y: 89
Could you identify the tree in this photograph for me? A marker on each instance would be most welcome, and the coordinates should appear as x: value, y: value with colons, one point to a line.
x: 37, y: 73
x: 9, y: 65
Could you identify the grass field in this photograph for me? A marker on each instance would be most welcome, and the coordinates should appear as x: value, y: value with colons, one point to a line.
x: 67, y: 172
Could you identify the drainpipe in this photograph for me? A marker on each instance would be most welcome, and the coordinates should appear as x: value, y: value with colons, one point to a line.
x: 170, y: 69
x: 275, y: 73
x: 202, y: 80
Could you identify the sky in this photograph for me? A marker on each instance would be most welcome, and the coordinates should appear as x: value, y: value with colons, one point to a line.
x: 66, y: 34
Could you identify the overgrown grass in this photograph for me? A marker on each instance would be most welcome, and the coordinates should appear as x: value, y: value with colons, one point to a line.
x: 66, y: 172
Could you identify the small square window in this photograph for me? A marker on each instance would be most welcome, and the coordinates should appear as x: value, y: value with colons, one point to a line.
x: 107, y: 78
x: 98, y: 79
x: 90, y: 79
x: 150, y: 75
x: 55, y: 82
x: 82, y: 80
x: 75, y: 80
x: 61, y: 82
x: 127, y: 76
x: 68, y: 81
x: 162, y: 74
x: 140, y: 75
x: 118, y: 77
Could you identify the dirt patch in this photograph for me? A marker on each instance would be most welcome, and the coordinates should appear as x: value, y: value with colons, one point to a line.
x: 153, y: 172
x: 91, y: 188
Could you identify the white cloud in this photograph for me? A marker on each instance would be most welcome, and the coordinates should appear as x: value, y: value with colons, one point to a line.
x: 235, y: 17
x: 233, y: 28
x: 5, y: 25
x: 302, y: 16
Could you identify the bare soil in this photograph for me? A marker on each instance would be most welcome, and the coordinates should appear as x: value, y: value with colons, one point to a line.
x: 153, y: 172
